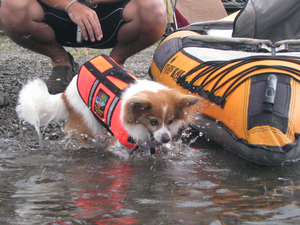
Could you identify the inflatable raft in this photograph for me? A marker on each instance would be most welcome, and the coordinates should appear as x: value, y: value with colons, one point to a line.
x: 250, y: 88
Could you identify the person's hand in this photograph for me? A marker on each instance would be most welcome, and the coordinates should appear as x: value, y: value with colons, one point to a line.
x: 87, y: 20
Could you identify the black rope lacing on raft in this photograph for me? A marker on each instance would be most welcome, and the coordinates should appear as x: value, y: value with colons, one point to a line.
x: 216, y: 71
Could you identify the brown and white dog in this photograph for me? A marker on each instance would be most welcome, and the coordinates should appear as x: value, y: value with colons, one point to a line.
x: 148, y: 110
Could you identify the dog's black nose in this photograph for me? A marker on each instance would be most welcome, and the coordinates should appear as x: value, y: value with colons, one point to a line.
x: 165, y: 138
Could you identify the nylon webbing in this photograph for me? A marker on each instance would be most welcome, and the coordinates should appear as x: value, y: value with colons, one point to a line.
x: 213, y: 72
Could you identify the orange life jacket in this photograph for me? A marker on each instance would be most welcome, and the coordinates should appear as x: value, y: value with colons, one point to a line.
x: 100, y: 84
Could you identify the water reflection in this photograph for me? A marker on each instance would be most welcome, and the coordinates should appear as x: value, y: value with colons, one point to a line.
x: 54, y: 185
x: 102, y: 198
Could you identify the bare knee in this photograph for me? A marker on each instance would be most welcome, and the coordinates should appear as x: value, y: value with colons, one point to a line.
x: 150, y: 16
x: 153, y: 13
x: 12, y: 11
x: 17, y: 14
x: 154, y: 18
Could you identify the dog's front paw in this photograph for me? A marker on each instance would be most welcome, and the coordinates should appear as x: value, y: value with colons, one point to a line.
x: 119, y: 149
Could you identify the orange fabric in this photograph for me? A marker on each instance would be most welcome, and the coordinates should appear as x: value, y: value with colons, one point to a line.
x: 83, y: 83
x: 118, y: 129
x: 234, y: 115
x: 104, y: 102
x: 119, y: 83
x: 101, y: 64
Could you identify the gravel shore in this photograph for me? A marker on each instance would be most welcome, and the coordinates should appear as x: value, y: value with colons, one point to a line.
x: 18, y: 64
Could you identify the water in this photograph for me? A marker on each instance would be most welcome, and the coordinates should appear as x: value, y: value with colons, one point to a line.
x: 54, y: 184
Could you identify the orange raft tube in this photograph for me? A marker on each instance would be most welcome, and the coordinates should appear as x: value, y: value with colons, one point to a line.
x: 250, y: 90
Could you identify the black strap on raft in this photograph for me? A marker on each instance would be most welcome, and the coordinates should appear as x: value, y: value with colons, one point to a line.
x: 215, y: 72
x: 270, y: 102
x: 204, y: 27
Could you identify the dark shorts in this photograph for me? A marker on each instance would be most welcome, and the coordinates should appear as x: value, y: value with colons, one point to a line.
x: 109, y: 14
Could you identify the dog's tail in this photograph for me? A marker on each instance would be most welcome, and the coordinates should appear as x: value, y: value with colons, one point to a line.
x: 37, y: 107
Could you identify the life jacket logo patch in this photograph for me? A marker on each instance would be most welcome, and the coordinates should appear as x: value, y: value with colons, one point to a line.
x: 101, y: 102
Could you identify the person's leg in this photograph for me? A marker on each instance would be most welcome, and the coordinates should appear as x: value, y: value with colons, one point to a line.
x: 22, y: 20
x: 146, y: 23
x: 22, y: 23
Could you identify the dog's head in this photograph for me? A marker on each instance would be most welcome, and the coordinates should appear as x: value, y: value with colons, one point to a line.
x: 157, y: 114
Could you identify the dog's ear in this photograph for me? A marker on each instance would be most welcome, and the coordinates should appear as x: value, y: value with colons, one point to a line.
x: 139, y: 105
x: 136, y: 107
x: 187, y: 101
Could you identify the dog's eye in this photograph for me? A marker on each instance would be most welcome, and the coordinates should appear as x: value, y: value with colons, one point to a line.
x: 153, y: 122
x: 170, y: 121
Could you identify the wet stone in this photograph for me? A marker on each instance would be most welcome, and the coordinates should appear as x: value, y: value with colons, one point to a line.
x: 3, y: 99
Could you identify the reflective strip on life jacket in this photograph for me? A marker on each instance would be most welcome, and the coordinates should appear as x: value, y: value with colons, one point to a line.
x: 100, y: 83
